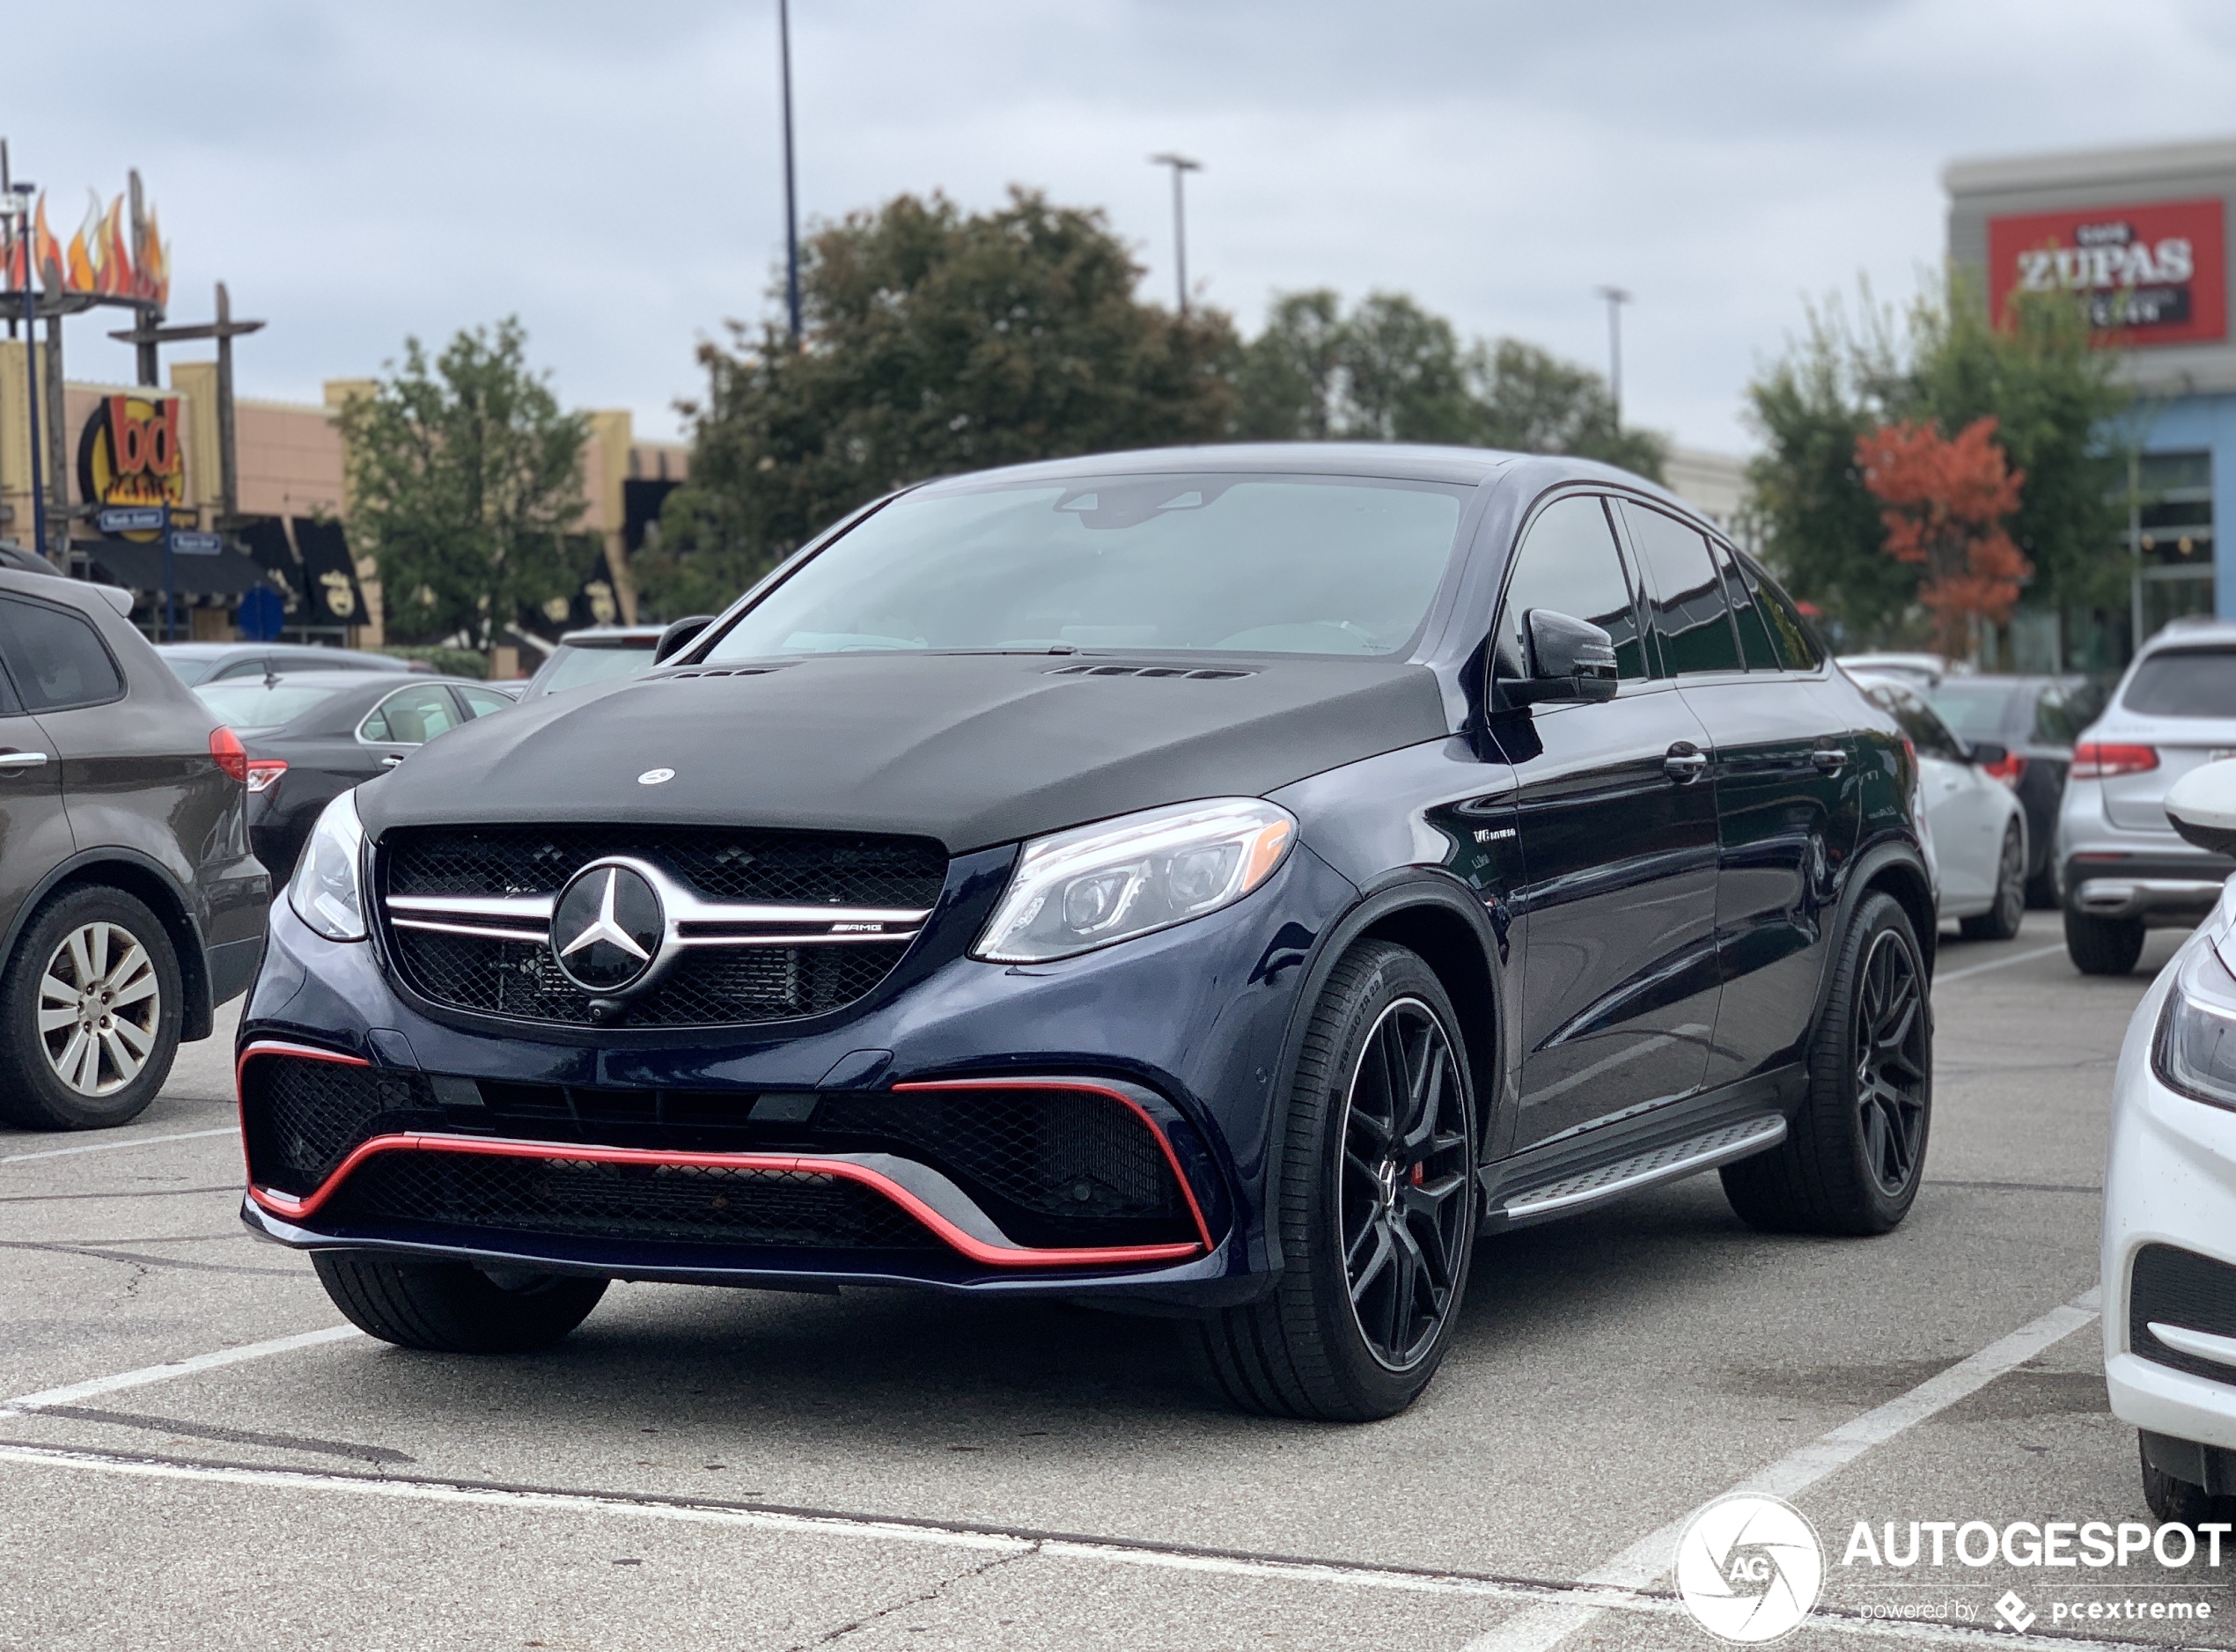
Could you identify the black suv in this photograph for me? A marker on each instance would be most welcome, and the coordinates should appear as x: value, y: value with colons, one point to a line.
x: 1223, y: 880
x: 129, y: 904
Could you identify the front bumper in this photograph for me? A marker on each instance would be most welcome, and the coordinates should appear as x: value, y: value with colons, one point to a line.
x: 2170, y: 1180
x: 1187, y: 1026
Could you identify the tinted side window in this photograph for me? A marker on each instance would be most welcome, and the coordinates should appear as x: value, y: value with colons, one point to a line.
x: 1569, y: 563
x: 55, y: 657
x: 412, y: 716
x: 1755, y: 646
x: 1927, y: 732
x: 1790, y: 633
x: 1690, y: 619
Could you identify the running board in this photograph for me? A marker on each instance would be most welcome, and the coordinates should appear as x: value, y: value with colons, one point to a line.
x: 1644, y: 1170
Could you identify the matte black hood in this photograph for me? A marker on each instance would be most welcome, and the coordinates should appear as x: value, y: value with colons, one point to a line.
x: 970, y: 749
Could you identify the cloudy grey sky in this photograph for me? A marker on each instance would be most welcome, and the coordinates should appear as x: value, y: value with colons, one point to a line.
x: 610, y: 172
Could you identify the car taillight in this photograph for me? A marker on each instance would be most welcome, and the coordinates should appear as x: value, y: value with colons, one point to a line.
x: 2094, y: 761
x: 231, y: 756
x: 264, y: 773
x: 2008, y: 771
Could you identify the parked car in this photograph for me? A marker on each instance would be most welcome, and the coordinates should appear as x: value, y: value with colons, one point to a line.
x: 599, y: 656
x: 2169, y: 1236
x: 1223, y: 881
x: 311, y: 735
x: 2036, y: 720
x: 2123, y: 869
x: 130, y: 907
x: 1977, y: 824
x: 1924, y: 668
x: 199, y: 663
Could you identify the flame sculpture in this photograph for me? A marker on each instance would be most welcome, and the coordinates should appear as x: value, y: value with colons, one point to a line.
x: 106, y: 257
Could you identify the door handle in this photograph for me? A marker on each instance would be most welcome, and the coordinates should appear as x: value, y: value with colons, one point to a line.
x: 1829, y: 760
x: 22, y: 760
x: 1686, y: 763
x: 392, y: 760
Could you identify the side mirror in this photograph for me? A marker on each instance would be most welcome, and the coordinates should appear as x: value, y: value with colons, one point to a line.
x: 1986, y: 754
x: 1568, y: 659
x: 2202, y: 806
x: 679, y: 636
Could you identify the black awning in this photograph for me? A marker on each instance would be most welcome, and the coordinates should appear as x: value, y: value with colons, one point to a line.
x: 140, y: 567
x: 330, y: 572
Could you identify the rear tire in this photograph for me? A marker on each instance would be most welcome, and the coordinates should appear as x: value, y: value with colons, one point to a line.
x: 98, y: 965
x: 2000, y: 922
x: 2102, y: 946
x: 1379, y: 1215
x: 1856, y: 1150
x: 454, y: 1307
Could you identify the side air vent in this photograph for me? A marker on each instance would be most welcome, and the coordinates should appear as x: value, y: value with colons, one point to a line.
x: 1205, y: 676
x: 720, y: 671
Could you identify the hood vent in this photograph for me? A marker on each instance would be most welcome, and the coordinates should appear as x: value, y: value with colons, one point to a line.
x: 1204, y: 675
x: 718, y: 670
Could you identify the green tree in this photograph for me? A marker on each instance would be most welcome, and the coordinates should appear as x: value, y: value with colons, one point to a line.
x: 936, y: 341
x: 466, y: 480
x: 1531, y: 401
x: 2059, y: 418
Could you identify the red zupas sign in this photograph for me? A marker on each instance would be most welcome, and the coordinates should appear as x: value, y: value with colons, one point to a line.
x: 2150, y: 275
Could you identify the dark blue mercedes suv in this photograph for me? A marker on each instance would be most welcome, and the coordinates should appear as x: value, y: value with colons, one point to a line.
x: 1229, y: 880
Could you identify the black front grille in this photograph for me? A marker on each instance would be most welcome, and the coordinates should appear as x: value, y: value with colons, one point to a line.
x: 585, y: 1199
x: 2174, y: 1287
x: 303, y: 1116
x: 706, y: 986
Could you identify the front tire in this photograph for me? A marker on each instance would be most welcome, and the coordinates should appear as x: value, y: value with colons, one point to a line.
x: 1855, y: 1151
x: 2000, y: 922
x: 2177, y: 1500
x: 2102, y: 946
x: 454, y: 1307
x: 1375, y: 1205
x: 90, y: 1009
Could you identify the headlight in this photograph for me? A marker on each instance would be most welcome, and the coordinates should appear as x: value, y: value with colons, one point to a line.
x: 1075, y: 891
x: 324, y: 890
x: 2196, y: 1049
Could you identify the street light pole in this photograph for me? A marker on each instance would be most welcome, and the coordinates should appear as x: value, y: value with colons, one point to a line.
x: 1180, y: 165
x: 19, y: 210
x: 792, y: 204
x: 1616, y: 298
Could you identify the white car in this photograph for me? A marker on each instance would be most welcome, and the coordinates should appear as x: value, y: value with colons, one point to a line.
x: 1977, y: 823
x: 2169, y: 1244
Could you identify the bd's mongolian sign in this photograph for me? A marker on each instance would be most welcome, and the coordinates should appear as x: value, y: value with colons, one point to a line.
x: 129, y: 454
x: 2150, y: 275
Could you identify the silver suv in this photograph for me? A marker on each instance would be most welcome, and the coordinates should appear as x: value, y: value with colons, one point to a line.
x: 2121, y: 868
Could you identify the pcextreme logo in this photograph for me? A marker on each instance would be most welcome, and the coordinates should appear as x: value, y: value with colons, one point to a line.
x: 1749, y: 1569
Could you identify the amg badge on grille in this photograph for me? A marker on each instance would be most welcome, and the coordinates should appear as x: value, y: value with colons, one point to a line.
x: 606, y: 930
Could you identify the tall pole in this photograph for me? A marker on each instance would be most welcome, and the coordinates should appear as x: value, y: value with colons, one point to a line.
x: 792, y: 192
x: 1180, y: 165
x: 19, y: 195
x: 1616, y: 298
x: 228, y: 465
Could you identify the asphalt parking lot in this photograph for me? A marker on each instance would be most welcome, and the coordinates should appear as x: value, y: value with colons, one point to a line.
x: 699, y: 1468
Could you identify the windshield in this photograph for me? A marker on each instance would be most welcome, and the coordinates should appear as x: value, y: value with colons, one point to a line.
x: 1272, y: 564
x: 2189, y: 682
x: 1976, y: 710
x: 252, y: 705
x: 189, y: 671
x: 578, y: 667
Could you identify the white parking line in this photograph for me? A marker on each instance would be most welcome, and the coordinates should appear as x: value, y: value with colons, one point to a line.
x: 1534, y: 1597
x: 1644, y: 1562
x: 111, y: 1147
x: 146, y: 1374
x: 1997, y: 963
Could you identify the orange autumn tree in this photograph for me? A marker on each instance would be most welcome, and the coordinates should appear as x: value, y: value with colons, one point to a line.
x: 1945, y: 499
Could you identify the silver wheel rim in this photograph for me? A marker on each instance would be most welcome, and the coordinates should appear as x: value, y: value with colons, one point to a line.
x: 100, y: 1008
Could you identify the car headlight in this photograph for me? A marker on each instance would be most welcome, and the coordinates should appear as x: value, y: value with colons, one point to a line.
x: 2196, y: 1049
x: 324, y: 890
x: 1075, y: 891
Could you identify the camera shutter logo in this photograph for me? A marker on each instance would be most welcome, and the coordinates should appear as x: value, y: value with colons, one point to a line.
x: 1749, y: 1569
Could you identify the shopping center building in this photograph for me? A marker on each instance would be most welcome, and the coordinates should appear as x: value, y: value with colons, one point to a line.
x: 2140, y: 235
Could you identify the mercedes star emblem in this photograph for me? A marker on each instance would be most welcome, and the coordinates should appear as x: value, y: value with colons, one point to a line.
x: 607, y: 928
x: 655, y: 777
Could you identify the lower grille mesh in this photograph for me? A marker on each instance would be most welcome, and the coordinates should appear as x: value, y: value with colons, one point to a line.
x: 303, y: 1116
x: 2174, y: 1287
x: 584, y: 1198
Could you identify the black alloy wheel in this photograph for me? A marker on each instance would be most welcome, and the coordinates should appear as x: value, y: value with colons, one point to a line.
x: 2000, y: 922
x: 1893, y: 1054
x: 1373, y: 1201
x: 1855, y: 1147
x: 1403, y: 1185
